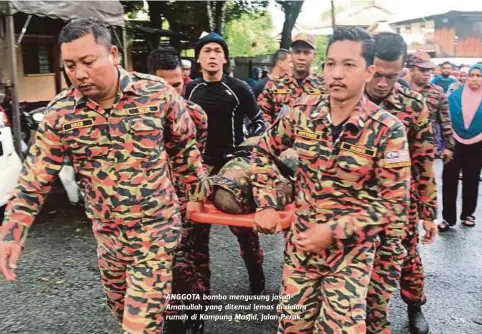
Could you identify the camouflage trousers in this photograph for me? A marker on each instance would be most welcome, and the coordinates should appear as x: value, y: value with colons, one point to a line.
x: 135, y: 262
x: 396, y: 261
x: 326, y: 291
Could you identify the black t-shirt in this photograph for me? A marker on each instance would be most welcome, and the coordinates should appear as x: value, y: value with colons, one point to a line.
x: 226, y: 103
x: 337, y: 129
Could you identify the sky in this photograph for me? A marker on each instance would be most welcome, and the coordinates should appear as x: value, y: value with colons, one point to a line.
x: 312, y: 9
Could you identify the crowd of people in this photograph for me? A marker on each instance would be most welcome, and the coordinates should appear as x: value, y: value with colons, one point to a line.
x: 145, y: 146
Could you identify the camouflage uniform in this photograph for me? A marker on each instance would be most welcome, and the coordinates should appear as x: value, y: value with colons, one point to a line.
x: 183, y: 273
x: 391, y: 265
x: 121, y: 162
x: 285, y: 91
x: 358, y: 185
x: 439, y: 114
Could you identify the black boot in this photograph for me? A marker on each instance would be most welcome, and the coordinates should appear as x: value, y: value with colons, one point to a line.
x: 418, y: 323
x: 256, y: 279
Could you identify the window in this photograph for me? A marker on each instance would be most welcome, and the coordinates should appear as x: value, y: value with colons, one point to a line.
x: 408, y: 28
x: 37, y: 58
x: 423, y: 25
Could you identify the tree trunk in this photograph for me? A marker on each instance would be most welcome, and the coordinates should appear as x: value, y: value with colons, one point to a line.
x: 210, y: 15
x: 292, y: 10
x: 220, y: 10
x: 175, y: 41
x: 155, y: 19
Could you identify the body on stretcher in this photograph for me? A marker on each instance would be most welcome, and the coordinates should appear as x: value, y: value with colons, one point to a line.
x: 211, y: 215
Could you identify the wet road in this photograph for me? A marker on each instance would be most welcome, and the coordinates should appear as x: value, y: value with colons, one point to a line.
x: 58, y: 290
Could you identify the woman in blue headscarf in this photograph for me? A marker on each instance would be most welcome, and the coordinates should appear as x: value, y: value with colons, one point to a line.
x: 466, y: 113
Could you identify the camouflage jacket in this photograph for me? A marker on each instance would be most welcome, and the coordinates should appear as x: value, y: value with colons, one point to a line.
x: 120, y: 159
x: 285, y: 91
x: 410, y: 108
x: 200, y: 120
x: 358, y: 184
x: 439, y: 113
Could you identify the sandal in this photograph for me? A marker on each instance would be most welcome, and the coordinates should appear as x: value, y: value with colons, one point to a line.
x: 444, y: 226
x: 469, y: 221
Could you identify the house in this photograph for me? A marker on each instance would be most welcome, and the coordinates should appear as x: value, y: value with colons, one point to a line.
x: 36, y: 27
x: 362, y: 14
x: 451, y: 34
x: 30, y: 64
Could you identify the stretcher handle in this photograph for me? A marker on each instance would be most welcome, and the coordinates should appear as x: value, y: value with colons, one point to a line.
x: 211, y: 215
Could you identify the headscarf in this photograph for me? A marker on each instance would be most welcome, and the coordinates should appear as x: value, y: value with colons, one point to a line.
x: 466, y: 112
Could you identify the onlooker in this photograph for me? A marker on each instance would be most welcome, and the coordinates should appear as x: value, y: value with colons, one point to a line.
x: 186, y: 71
x: 444, y: 80
x: 463, y: 75
x: 254, y: 81
x: 466, y: 113
x: 282, y: 65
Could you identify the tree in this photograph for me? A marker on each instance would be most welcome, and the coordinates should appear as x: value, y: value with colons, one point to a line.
x: 251, y: 35
x: 291, y: 9
x: 321, y: 45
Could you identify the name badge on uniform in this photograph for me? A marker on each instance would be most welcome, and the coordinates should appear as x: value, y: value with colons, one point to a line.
x: 314, y: 92
x: 139, y: 110
x: 307, y: 134
x: 85, y: 123
x: 358, y: 149
x: 282, y: 91
x: 396, y: 159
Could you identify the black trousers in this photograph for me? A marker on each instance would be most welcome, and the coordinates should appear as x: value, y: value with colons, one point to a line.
x: 468, y: 159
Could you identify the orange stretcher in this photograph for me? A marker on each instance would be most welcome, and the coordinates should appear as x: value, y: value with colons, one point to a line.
x: 211, y: 215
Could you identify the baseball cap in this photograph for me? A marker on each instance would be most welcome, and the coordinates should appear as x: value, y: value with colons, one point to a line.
x: 304, y: 38
x: 420, y: 59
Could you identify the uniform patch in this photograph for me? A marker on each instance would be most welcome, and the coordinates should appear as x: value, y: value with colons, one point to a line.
x: 139, y: 110
x: 85, y: 123
x: 282, y: 91
x: 307, y: 134
x: 396, y: 159
x: 358, y: 149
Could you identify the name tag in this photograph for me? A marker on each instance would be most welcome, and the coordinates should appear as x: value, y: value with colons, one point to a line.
x: 85, y: 123
x: 139, y: 110
x: 282, y: 91
x: 307, y: 134
x: 358, y: 149
x: 314, y: 92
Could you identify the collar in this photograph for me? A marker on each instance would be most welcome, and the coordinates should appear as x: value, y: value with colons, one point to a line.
x: 357, y: 118
x: 394, y: 99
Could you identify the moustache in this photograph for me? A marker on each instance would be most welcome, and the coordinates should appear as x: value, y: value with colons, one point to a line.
x: 337, y: 84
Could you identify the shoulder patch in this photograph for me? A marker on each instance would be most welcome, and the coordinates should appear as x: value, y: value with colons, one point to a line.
x: 385, y: 118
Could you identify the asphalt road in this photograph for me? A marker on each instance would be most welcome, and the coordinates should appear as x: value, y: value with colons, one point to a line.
x: 58, y: 288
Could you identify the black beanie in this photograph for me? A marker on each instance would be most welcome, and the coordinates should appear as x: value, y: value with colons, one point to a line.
x: 212, y: 37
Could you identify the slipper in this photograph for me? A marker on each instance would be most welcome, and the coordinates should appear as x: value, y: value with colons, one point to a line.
x: 469, y: 221
x: 443, y: 226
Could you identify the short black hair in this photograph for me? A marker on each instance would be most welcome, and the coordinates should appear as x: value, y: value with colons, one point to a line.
x: 390, y: 46
x: 166, y: 58
x: 446, y: 63
x: 355, y: 34
x: 280, y: 55
x: 78, y: 28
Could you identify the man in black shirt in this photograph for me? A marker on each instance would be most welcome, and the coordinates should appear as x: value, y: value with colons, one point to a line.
x: 226, y: 101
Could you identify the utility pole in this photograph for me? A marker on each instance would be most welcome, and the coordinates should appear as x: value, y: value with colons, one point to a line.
x: 333, y: 23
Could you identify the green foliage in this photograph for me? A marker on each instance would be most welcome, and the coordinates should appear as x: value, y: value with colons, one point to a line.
x: 321, y: 44
x: 251, y: 35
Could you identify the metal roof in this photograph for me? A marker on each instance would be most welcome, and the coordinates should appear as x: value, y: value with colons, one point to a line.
x: 111, y: 12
